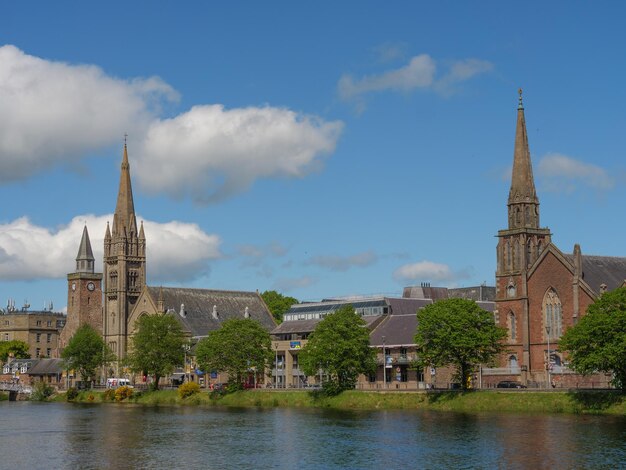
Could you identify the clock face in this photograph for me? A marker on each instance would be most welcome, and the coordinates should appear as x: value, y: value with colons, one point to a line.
x: 91, y: 286
x: 73, y: 286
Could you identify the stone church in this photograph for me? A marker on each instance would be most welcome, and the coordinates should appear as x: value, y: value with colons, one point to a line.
x: 114, y: 300
x: 541, y: 291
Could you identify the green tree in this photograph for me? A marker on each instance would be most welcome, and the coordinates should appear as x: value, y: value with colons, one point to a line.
x: 340, y: 346
x: 18, y: 349
x: 457, y: 332
x: 157, y: 346
x: 86, y: 352
x: 239, y: 346
x: 277, y: 303
x: 597, y: 343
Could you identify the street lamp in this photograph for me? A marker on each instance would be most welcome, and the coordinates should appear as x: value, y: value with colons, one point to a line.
x: 548, y: 363
x: 186, y: 348
x: 276, y: 365
x: 384, y: 365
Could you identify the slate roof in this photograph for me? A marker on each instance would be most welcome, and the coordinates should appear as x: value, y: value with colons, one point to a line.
x: 47, y: 367
x: 406, y: 306
x: 398, y: 330
x: 597, y: 270
x: 198, y: 305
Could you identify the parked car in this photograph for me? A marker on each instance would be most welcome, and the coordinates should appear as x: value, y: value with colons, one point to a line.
x: 510, y: 384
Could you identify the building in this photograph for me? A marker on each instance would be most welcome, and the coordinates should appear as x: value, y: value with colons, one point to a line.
x: 125, y: 293
x: 393, y: 324
x: 39, y: 329
x: 84, y: 294
x: 27, y: 372
x: 541, y: 291
x: 200, y: 311
x: 124, y: 268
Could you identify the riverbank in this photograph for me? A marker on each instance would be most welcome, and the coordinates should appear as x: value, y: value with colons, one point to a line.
x: 578, y: 402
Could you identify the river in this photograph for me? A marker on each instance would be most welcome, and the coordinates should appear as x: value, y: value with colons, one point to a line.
x: 58, y: 435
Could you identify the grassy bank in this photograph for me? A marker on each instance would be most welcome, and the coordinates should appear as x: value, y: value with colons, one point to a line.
x: 484, y: 401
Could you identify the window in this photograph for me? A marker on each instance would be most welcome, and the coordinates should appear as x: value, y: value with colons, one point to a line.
x: 508, y: 255
x: 552, y: 315
x: 38, y: 337
x: 512, y: 326
x: 513, y: 362
x: 38, y: 353
x: 49, y: 323
x: 6, y: 322
x: 48, y: 351
x: 38, y: 322
x: 529, y: 253
x: 6, y: 336
x: 48, y: 337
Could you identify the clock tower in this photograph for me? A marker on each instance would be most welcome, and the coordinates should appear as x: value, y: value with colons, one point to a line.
x: 84, y: 293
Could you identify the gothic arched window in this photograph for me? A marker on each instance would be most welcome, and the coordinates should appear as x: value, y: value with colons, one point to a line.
x: 508, y: 254
x: 527, y: 215
x: 552, y: 315
x: 529, y: 252
x: 512, y: 326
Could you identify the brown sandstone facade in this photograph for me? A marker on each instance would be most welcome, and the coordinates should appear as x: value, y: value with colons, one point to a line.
x: 540, y: 291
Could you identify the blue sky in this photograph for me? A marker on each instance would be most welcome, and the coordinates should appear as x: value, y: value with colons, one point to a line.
x: 330, y: 149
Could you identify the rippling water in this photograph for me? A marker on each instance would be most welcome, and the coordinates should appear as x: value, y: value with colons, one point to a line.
x: 57, y: 435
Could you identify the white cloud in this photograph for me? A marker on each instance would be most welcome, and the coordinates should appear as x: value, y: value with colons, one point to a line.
x: 343, y: 263
x: 255, y: 255
x: 424, y: 270
x: 420, y: 72
x: 212, y: 153
x: 561, y: 173
x: 290, y: 284
x: 177, y: 251
x: 53, y: 112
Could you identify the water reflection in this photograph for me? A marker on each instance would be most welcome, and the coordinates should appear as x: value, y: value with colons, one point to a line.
x: 58, y: 435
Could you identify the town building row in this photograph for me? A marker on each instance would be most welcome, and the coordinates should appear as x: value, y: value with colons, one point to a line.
x: 539, y: 292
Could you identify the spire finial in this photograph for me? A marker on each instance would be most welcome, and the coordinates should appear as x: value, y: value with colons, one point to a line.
x: 126, y: 135
x: 521, y: 105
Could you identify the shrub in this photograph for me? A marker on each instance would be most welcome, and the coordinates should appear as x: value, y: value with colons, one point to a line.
x: 123, y: 392
x: 109, y: 394
x: 71, y: 394
x: 91, y: 398
x: 188, y: 389
x: 41, y: 392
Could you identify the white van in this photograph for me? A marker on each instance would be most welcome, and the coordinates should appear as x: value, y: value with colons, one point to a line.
x: 114, y: 383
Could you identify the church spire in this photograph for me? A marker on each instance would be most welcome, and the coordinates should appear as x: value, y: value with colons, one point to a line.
x: 84, y: 258
x: 523, y: 202
x: 124, y: 221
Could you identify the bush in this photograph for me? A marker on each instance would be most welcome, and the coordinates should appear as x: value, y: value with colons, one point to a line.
x: 41, y: 391
x: 71, y: 394
x: 123, y: 392
x: 188, y: 389
x: 109, y: 394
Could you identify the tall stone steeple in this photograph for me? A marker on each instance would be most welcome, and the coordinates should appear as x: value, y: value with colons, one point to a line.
x: 521, y: 244
x: 124, y: 265
x: 523, y: 202
x: 519, y: 247
x: 124, y: 220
